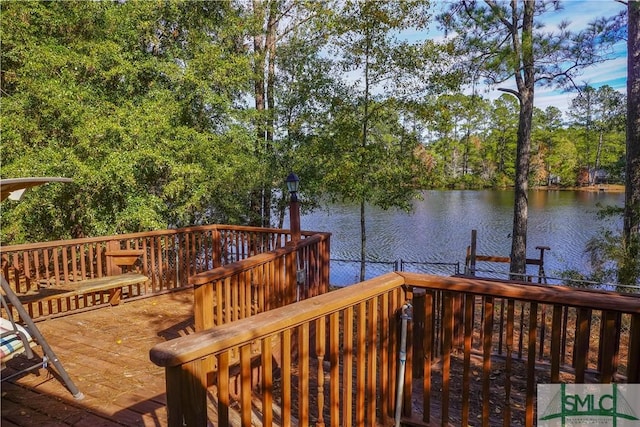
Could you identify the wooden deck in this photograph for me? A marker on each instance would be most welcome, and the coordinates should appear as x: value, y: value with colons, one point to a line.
x: 106, y: 353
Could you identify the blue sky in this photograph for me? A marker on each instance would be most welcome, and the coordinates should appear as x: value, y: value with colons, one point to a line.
x: 613, y: 73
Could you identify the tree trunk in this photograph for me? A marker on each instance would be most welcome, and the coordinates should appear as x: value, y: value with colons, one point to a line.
x: 521, y: 202
x: 631, y: 232
x: 363, y: 241
x: 270, y: 44
x: 257, y: 196
x: 524, y: 74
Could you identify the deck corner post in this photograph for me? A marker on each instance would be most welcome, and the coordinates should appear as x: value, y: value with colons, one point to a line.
x: 186, y: 395
x: 634, y: 350
x: 217, y: 248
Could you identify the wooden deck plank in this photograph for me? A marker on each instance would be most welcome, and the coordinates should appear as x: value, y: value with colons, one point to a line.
x: 106, y: 353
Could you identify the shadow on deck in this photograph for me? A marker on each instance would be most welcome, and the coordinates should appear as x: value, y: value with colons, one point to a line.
x: 106, y: 353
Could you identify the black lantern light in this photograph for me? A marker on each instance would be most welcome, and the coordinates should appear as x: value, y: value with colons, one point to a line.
x: 293, y: 182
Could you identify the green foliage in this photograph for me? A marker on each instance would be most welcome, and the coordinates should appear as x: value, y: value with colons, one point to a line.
x: 132, y: 100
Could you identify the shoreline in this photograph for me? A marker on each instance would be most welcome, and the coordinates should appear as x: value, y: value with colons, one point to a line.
x: 608, y: 188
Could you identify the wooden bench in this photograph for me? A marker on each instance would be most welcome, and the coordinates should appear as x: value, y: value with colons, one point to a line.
x: 113, y: 284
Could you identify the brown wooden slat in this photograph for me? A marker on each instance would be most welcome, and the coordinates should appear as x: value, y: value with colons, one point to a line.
x: 384, y: 373
x: 487, y: 323
x: 321, y: 336
x: 556, y: 334
x: 466, y: 371
x: 447, y: 346
x: 245, y: 387
x: 361, y: 367
x: 506, y: 419
x: 581, y: 350
x: 347, y: 377
x: 531, y: 365
x: 303, y: 377
x: 224, y: 401
x: 334, y: 373
x: 286, y: 378
x: 372, y: 360
x: 608, y: 339
x: 427, y: 344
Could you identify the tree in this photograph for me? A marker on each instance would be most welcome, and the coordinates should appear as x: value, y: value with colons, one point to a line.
x: 133, y: 100
x: 547, y: 129
x: 365, y: 165
x: 504, y: 120
x: 502, y: 41
x: 630, y: 270
x: 598, y: 112
x: 273, y: 24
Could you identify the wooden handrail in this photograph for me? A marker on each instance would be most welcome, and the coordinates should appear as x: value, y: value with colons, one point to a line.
x: 167, y: 257
x: 243, y: 265
x: 349, y: 336
x: 56, y: 243
x: 526, y: 291
x: 201, y: 344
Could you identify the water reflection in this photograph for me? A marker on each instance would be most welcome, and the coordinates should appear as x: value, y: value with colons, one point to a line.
x: 439, y: 228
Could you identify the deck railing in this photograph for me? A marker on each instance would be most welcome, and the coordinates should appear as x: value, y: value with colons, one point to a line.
x: 335, y: 359
x: 168, y: 258
x: 263, y: 282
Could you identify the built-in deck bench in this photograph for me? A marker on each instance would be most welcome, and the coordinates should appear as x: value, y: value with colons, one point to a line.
x: 113, y: 284
x: 118, y: 260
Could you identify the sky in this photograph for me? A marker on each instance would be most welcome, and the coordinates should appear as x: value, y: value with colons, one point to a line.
x: 613, y: 72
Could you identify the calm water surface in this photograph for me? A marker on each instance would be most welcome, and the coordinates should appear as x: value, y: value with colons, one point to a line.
x: 439, y: 228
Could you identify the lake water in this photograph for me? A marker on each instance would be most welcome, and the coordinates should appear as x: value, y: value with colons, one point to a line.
x: 439, y: 229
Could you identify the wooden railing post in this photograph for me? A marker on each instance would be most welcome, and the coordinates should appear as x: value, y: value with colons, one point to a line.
x: 217, y: 248
x: 186, y: 395
x: 204, y: 319
x: 112, y: 268
x: 633, y: 366
x: 291, y: 279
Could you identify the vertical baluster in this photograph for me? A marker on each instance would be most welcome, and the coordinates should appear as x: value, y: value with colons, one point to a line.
x: 447, y: 344
x: 347, y: 376
x: 160, y: 261
x: 506, y: 419
x: 242, y: 295
x: 37, y: 266
x: 427, y: 345
x: 608, y: 342
x: 267, y: 383
x: 286, y: 377
x: 581, y: 351
x: 228, y: 308
x: 245, y: 384
x: 486, y: 359
x: 466, y: 371
x: 303, y: 375
x: 320, y: 351
x: 556, y: 333
x: 531, y: 364
x: 334, y: 373
x: 223, y: 389
x: 361, y: 368
x: 65, y: 264
x: 384, y: 370
x: 372, y: 329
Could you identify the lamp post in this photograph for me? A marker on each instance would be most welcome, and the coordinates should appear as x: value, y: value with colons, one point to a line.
x: 293, y: 183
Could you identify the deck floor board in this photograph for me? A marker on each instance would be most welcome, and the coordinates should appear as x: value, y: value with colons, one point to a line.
x: 106, y: 353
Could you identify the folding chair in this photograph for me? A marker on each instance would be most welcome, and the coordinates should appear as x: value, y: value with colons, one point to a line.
x: 16, y: 339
